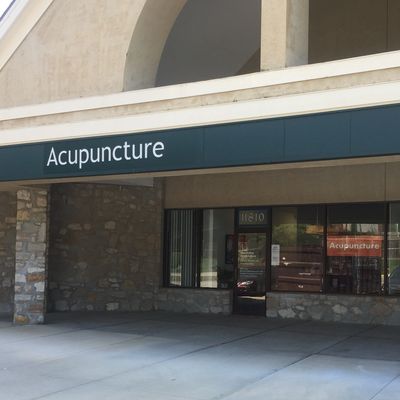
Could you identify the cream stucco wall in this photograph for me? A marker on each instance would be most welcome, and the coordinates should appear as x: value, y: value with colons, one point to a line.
x: 284, y: 33
x: 148, y: 40
x: 334, y: 184
x: 97, y: 47
x: 78, y: 48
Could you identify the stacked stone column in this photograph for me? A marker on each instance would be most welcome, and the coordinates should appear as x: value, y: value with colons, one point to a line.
x: 31, y: 256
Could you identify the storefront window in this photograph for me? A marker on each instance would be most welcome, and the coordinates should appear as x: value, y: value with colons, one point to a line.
x: 200, y: 248
x: 394, y: 249
x: 355, y: 248
x: 216, y: 266
x: 181, y: 248
x: 297, y: 250
x: 336, y: 248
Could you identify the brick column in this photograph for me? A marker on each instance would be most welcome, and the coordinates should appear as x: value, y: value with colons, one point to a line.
x: 31, y: 256
x: 284, y: 33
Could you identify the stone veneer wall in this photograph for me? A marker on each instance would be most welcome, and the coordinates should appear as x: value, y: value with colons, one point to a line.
x: 8, y: 212
x: 105, y: 247
x: 341, y: 308
x: 31, y: 255
x: 195, y: 300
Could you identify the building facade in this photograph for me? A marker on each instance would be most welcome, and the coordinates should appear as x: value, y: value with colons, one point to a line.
x: 221, y: 157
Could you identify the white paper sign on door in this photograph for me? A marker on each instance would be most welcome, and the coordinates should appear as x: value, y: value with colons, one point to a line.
x: 275, y: 254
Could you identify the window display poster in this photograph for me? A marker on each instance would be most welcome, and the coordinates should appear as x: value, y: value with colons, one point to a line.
x: 355, y: 246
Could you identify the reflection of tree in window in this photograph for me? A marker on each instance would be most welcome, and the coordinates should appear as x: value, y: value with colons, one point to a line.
x: 292, y: 235
x: 299, y: 233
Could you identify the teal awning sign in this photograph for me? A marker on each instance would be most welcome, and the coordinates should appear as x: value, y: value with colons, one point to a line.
x: 336, y: 135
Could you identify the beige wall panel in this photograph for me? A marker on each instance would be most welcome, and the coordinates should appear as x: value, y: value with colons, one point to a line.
x: 295, y: 186
x: 346, y: 28
x: 394, y: 25
x: 393, y: 181
x: 78, y: 48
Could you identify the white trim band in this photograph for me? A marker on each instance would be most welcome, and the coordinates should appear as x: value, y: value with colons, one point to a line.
x: 375, y: 62
x: 300, y: 104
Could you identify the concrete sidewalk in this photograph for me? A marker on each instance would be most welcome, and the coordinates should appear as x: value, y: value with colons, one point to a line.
x: 174, y: 356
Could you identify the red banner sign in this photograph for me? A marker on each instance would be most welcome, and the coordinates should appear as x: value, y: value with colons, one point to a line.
x: 355, y: 246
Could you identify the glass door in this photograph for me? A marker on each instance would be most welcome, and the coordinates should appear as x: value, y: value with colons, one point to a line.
x: 251, y: 264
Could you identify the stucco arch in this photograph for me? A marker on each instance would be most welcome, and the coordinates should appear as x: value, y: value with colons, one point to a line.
x: 212, y: 39
x: 90, y: 48
x: 76, y: 49
x: 179, y: 41
x: 149, y: 36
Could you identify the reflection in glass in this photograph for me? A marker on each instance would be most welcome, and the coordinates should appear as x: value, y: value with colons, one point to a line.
x: 216, y: 267
x: 250, y: 285
x: 181, y: 252
x: 297, y: 248
x: 355, y: 251
x: 394, y: 249
x: 251, y: 263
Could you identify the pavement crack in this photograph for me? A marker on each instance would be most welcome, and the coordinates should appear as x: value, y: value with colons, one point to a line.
x: 384, y: 387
